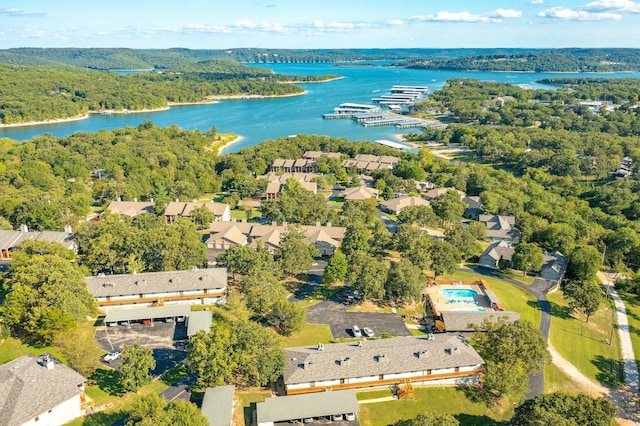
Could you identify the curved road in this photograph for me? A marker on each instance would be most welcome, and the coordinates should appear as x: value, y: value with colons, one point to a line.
x: 538, y: 290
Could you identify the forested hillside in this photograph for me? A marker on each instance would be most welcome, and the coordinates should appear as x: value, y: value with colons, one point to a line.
x: 130, y: 59
x: 41, y: 93
x: 560, y: 60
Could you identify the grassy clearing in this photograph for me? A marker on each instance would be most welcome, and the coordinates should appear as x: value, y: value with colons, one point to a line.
x: 444, y: 400
x: 12, y: 348
x: 311, y: 334
x: 516, y: 275
x: 556, y: 380
x: 246, y: 404
x: 512, y: 298
x: 582, y: 343
x: 632, y: 304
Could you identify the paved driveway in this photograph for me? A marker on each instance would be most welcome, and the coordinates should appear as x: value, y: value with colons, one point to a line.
x: 161, y: 337
x: 341, y: 322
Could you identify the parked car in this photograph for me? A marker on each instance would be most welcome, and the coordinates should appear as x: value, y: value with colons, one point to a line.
x: 111, y: 356
x: 356, y: 331
x: 180, y: 319
x: 112, y: 324
x: 368, y: 332
x: 336, y: 417
x: 307, y: 420
x: 350, y: 416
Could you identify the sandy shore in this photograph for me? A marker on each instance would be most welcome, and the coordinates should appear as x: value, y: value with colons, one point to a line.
x: 51, y: 121
x: 227, y: 97
x: 128, y: 111
x: 228, y: 144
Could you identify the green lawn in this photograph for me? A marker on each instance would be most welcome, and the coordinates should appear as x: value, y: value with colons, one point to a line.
x: 311, y: 334
x: 247, y: 400
x: 444, y: 400
x: 512, y: 297
x: 632, y: 304
x: 582, y: 343
x: 12, y: 348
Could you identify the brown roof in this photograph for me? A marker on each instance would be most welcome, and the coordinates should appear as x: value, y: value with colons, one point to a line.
x: 131, y: 208
x: 397, y: 204
x: 360, y: 193
x: 176, y: 208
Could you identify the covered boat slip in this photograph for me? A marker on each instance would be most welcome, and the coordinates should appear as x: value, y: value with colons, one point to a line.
x: 140, y: 314
x: 305, y: 406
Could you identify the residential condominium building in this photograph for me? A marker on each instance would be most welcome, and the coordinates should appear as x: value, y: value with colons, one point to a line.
x: 441, y: 359
x: 221, y: 212
x: 223, y: 236
x: 197, y: 286
x: 40, y: 391
x: 11, y: 240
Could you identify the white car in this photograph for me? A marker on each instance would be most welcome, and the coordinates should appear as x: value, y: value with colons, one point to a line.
x: 336, y: 417
x: 368, y: 332
x: 356, y: 331
x: 350, y: 417
x: 111, y: 356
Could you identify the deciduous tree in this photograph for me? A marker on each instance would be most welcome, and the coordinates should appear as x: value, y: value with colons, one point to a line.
x: 564, y: 409
x: 584, y: 296
x: 137, y: 362
x: 528, y: 257
x: 336, y: 269
x: 405, y: 281
x: 511, y: 351
x: 286, y: 317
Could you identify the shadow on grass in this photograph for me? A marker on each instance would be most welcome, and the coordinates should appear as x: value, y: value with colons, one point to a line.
x: 108, y: 381
x: 560, y: 311
x: 174, y: 375
x: 476, y: 394
x: 248, y: 414
x: 534, y: 304
x: 102, y: 418
x: 610, y: 371
x: 474, y: 420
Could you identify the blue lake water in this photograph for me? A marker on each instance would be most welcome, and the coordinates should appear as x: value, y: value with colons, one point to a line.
x: 260, y: 119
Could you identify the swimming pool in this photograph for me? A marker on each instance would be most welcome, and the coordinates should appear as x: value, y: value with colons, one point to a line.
x: 458, y: 292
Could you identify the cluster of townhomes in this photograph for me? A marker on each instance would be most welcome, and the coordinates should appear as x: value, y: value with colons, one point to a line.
x: 318, y: 380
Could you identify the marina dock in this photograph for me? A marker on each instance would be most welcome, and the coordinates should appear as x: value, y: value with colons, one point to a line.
x: 392, y: 144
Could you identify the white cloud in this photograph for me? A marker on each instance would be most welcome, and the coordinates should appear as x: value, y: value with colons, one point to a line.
x: 565, y: 14
x: 614, y: 6
x: 245, y: 24
x: 537, y: 1
x: 396, y: 22
x: 507, y: 13
x: 12, y: 11
x: 444, y: 16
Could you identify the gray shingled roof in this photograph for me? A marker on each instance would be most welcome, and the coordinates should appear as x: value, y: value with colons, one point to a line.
x: 11, y: 240
x: 465, y: 321
x: 319, y: 404
x: 217, y: 405
x: 344, y: 360
x: 156, y: 282
x: 28, y: 388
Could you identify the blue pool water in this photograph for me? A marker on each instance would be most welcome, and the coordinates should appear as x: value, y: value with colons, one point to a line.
x: 455, y: 292
x: 468, y: 310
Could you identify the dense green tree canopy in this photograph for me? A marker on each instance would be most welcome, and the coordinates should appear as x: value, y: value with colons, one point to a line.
x: 137, y: 363
x: 560, y: 408
x: 46, y: 294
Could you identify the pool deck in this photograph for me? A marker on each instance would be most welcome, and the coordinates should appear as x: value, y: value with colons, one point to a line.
x: 440, y: 303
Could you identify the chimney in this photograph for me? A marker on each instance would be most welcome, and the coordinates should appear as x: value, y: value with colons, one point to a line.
x: 67, y: 229
x: 328, y: 224
x: 152, y: 200
x: 24, y: 228
x: 135, y: 200
x: 118, y: 198
x: 177, y: 200
x: 48, y: 362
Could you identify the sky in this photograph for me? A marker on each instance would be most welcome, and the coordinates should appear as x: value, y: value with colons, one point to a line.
x: 298, y: 24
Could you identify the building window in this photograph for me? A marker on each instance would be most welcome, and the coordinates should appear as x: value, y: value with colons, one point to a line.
x: 457, y: 369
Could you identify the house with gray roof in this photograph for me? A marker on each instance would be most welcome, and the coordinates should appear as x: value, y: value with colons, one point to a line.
x: 474, y: 207
x: 38, y: 390
x: 554, y: 266
x: 496, y: 254
x: 197, y: 286
x: 11, y: 240
x: 500, y: 228
x: 441, y: 359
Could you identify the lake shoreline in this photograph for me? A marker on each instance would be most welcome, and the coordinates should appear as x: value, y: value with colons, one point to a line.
x: 213, y: 100
x: 221, y: 148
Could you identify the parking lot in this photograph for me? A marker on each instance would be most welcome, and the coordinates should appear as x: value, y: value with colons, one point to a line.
x: 164, y: 338
x: 334, y: 313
